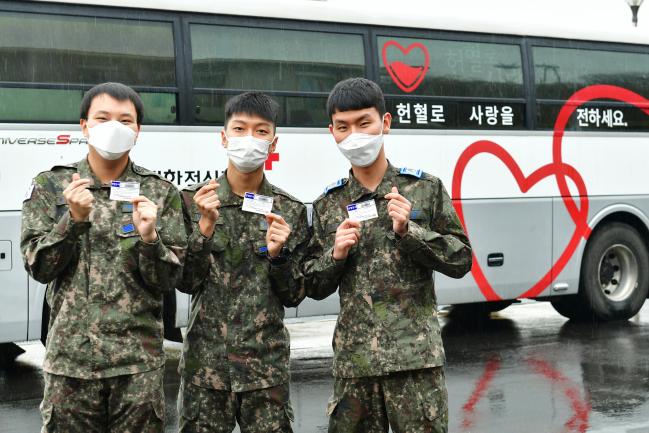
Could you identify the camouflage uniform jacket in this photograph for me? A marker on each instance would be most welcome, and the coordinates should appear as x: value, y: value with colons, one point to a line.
x: 105, y: 285
x: 236, y: 339
x: 388, y: 319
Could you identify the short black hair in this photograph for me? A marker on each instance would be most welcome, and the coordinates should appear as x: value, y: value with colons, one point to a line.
x: 115, y: 90
x: 355, y: 94
x: 254, y: 104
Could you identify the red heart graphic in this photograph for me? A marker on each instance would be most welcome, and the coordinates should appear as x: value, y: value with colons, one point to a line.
x: 557, y: 168
x: 405, y: 76
x: 583, y: 96
x: 524, y: 184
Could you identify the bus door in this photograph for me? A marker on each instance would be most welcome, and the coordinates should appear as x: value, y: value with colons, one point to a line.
x: 512, y: 242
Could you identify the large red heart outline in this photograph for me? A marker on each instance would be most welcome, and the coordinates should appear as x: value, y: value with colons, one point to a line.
x: 556, y: 168
x: 405, y: 76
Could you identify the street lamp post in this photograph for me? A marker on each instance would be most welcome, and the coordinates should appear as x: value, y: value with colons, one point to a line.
x: 634, y: 5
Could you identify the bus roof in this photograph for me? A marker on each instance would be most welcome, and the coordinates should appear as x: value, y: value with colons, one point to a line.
x: 596, y: 20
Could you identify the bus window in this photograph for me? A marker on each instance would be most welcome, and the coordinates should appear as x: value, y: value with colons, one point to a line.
x: 228, y: 59
x: 42, y: 54
x: 454, y: 68
x: 39, y: 105
x: 559, y: 72
x: 486, y: 80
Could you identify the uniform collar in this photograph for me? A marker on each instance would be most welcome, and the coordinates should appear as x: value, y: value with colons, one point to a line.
x: 228, y: 198
x: 85, y: 172
x: 358, y: 191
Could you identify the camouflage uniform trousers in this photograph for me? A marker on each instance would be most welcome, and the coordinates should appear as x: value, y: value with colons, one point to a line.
x: 205, y: 410
x: 122, y: 404
x: 409, y: 402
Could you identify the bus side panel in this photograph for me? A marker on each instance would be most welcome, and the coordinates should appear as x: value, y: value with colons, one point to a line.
x: 13, y: 281
x: 567, y: 281
x: 36, y: 302
x: 518, y: 229
x: 311, y: 307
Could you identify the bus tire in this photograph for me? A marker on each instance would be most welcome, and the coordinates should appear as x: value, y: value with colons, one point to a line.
x: 169, y: 318
x: 614, y: 279
x: 45, y: 322
x: 571, y: 307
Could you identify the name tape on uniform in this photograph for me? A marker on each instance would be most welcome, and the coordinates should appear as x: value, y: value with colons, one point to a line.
x: 124, y: 191
x: 363, y: 211
x: 257, y: 203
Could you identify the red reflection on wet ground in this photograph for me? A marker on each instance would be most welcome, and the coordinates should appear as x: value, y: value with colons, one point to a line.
x: 579, y: 405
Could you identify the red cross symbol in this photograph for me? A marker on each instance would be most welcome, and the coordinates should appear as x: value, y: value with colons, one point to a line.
x: 273, y: 157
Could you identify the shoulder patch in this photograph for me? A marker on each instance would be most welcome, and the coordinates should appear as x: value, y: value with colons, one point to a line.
x: 52, y: 180
x: 72, y: 165
x: 195, y: 187
x: 404, y: 171
x: 335, y: 185
x: 144, y: 172
x: 279, y: 191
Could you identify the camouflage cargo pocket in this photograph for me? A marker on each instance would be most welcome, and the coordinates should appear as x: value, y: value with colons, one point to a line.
x: 61, y: 209
x: 188, y: 403
x: 47, y: 410
x: 435, y: 411
x: 159, y: 408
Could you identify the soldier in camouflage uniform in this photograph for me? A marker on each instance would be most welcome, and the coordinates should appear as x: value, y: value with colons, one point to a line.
x: 388, y: 354
x: 107, y: 264
x: 242, y: 269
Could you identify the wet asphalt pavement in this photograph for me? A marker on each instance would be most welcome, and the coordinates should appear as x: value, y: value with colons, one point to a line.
x: 526, y: 369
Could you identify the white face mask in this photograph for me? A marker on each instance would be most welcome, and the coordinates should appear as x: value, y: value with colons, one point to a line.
x: 111, y: 139
x: 247, y: 153
x: 362, y: 149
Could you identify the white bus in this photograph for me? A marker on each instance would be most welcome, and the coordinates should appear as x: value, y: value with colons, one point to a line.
x: 475, y: 89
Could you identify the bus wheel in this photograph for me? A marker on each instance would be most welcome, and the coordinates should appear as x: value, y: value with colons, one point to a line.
x: 614, y: 277
x: 571, y: 306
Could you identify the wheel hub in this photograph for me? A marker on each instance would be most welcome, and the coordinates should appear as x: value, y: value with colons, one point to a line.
x: 618, y: 272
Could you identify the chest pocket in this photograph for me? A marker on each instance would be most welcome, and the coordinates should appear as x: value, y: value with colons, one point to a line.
x: 418, y: 214
x: 127, y: 237
x: 258, y: 241
x: 331, y: 229
x: 127, y: 234
x: 330, y: 233
x: 221, y: 240
x: 61, y: 208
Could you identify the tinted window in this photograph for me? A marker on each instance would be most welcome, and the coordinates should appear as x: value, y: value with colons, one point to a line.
x: 294, y: 110
x: 559, y: 72
x: 39, y: 105
x: 54, y: 105
x: 449, y: 68
x: 82, y: 50
x: 268, y: 59
x: 237, y: 58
